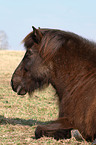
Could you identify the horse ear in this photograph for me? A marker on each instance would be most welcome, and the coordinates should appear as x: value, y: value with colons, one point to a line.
x: 37, y: 35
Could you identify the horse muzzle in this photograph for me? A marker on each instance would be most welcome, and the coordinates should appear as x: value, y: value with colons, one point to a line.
x: 19, y: 89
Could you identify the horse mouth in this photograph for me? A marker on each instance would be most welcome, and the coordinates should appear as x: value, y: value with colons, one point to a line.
x: 21, y: 91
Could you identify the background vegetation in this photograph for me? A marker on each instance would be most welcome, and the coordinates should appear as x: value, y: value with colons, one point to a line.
x: 3, y: 41
x: 19, y: 116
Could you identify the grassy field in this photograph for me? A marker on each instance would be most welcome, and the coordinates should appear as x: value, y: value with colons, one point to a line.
x: 19, y: 116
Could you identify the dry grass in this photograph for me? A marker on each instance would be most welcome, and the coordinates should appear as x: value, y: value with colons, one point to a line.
x: 19, y: 116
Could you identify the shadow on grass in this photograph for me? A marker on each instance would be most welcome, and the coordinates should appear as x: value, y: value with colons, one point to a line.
x: 14, y: 121
x: 31, y: 122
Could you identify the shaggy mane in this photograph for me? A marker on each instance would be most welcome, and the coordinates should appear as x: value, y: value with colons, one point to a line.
x: 53, y: 40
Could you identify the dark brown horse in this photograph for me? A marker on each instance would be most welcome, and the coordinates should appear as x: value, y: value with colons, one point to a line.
x: 68, y: 62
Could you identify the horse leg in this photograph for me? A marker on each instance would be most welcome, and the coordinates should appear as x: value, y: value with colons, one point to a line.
x: 58, y: 129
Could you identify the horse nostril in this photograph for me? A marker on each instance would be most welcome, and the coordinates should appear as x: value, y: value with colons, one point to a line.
x: 11, y: 83
x: 26, y: 69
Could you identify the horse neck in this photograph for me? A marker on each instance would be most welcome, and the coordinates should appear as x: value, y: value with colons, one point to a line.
x: 70, y: 73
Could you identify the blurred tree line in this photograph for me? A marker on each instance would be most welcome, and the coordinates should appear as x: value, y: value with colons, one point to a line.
x: 3, y: 41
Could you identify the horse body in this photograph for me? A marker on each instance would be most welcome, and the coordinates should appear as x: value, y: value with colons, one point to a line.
x: 68, y: 62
